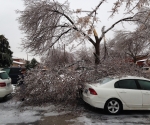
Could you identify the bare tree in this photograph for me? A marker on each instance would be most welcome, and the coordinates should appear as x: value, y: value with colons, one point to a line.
x: 85, y: 54
x: 144, y: 22
x: 57, y: 58
x: 47, y: 22
x: 130, y: 44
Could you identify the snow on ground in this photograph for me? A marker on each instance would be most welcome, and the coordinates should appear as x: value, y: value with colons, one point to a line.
x: 84, y: 120
x: 10, y: 112
x: 14, y: 88
x: 55, y: 113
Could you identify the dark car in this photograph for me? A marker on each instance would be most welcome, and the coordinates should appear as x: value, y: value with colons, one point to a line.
x: 15, y: 74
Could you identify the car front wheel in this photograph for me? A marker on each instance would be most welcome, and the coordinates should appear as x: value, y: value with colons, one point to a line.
x: 113, y: 106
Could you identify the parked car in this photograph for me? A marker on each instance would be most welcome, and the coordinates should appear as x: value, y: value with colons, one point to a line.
x: 15, y: 73
x: 5, y: 85
x: 116, y: 94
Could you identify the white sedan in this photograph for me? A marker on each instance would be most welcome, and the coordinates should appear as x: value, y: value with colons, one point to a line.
x: 5, y: 84
x: 116, y: 94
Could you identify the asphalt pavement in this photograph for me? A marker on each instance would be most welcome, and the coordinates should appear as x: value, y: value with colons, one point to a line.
x: 10, y: 115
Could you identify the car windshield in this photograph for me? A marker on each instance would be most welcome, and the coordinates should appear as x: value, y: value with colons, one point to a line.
x: 4, y: 75
x: 104, y: 80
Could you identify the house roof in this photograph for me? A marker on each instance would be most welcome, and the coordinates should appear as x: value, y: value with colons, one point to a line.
x: 142, y: 57
x: 21, y: 63
x: 142, y: 60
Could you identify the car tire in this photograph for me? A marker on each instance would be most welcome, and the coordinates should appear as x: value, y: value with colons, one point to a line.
x: 113, y: 106
x: 3, y: 99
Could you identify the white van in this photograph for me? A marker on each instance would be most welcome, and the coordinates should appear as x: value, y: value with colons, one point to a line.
x: 5, y: 85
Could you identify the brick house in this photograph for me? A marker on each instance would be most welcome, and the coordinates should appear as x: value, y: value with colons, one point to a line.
x: 18, y: 62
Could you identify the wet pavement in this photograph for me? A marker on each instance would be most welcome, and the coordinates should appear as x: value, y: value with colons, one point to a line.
x: 57, y: 120
x: 91, y: 116
x: 51, y: 120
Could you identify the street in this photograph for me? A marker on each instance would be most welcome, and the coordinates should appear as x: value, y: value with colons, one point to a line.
x: 11, y: 114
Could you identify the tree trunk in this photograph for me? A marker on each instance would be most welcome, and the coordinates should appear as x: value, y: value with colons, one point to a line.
x: 97, y: 54
x: 134, y: 60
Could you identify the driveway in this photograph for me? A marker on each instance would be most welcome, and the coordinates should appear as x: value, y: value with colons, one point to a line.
x: 98, y: 117
x: 11, y: 114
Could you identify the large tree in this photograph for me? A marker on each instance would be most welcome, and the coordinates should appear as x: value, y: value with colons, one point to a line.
x: 5, y: 52
x: 129, y: 44
x: 47, y: 22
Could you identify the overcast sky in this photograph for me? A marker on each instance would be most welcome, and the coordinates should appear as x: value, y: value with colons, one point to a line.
x: 9, y: 25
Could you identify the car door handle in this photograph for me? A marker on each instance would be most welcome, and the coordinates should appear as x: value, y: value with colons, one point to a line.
x: 146, y: 93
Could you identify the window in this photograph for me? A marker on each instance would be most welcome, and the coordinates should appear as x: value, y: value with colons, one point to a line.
x: 144, y: 84
x: 4, y: 75
x: 126, y: 84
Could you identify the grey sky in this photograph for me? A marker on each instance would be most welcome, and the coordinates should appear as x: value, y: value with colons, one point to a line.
x: 9, y: 25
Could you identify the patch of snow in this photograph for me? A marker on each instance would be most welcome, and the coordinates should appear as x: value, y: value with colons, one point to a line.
x: 84, y: 120
x: 17, y: 116
x: 55, y: 113
x: 46, y: 108
x: 11, y: 113
x: 62, y: 76
x: 14, y: 89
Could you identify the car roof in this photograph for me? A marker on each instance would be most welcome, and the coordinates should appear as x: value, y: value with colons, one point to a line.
x: 132, y: 77
x: 111, y: 83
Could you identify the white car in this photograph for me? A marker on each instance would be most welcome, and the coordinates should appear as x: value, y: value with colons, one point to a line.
x: 116, y: 94
x: 5, y: 84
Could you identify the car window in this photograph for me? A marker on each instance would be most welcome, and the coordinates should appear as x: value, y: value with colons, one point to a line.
x: 126, y: 84
x: 104, y: 80
x: 144, y: 84
x: 4, y: 75
x: 7, y: 70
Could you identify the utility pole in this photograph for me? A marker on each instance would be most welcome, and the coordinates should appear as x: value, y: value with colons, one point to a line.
x: 27, y: 56
x: 64, y: 53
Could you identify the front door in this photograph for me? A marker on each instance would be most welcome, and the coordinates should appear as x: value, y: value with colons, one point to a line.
x: 129, y: 93
x: 145, y: 88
